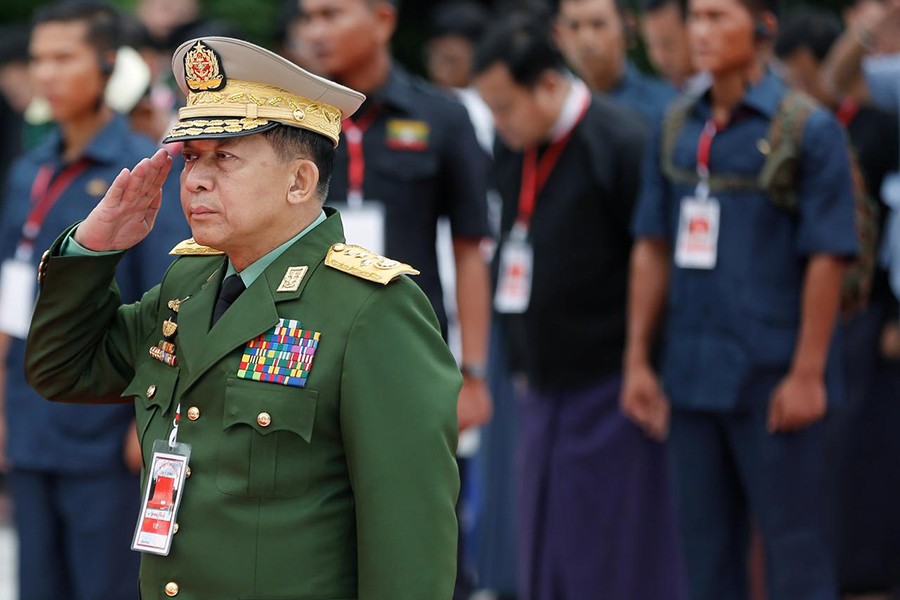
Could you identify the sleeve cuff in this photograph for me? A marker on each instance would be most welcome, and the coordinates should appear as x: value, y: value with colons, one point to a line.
x: 70, y: 247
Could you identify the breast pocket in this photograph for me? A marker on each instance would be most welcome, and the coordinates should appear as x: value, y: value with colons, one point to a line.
x: 265, y: 445
x: 153, y: 388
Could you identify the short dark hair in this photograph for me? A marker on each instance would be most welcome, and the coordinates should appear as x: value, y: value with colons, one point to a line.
x: 760, y: 6
x: 648, y: 6
x: 290, y: 143
x: 102, y: 19
x: 813, y: 28
x: 525, y: 45
x: 464, y: 18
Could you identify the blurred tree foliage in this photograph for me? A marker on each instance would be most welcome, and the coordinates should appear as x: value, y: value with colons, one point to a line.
x: 260, y: 19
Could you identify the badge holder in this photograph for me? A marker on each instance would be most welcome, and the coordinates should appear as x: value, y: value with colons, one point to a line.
x: 698, y: 229
x: 159, y: 507
x: 516, y: 272
x: 18, y: 278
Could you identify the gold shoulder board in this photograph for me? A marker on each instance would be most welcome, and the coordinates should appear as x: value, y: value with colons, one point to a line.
x: 361, y: 263
x: 191, y: 248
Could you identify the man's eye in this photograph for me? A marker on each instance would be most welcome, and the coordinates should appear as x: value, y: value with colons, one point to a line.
x: 222, y: 155
x: 188, y: 157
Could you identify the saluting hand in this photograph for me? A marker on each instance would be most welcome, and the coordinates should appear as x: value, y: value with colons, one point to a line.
x: 125, y: 215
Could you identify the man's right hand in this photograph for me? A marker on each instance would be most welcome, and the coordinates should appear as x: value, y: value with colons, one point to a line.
x: 644, y: 402
x: 125, y: 215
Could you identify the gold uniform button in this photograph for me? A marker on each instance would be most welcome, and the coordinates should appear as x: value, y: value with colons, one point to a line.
x: 193, y: 413
x: 171, y: 589
x: 339, y: 247
x: 264, y: 419
x: 175, y: 529
x: 187, y: 472
x: 151, y: 391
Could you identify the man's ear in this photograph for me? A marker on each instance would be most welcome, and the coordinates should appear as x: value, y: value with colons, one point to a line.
x: 304, y: 182
x: 385, y: 20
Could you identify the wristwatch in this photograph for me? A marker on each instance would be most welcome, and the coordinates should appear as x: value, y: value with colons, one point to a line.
x: 474, y: 371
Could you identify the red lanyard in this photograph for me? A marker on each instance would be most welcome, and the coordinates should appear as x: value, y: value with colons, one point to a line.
x: 45, y: 191
x: 704, y: 144
x: 356, y: 167
x: 847, y: 111
x: 535, y: 173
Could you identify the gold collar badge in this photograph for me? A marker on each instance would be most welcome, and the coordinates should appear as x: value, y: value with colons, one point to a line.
x: 202, y: 69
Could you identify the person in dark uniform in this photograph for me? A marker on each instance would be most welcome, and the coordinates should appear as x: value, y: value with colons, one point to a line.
x: 752, y: 290
x: 413, y: 150
x: 863, y: 440
x: 74, y: 492
x: 595, y: 498
x: 593, y: 35
x: 295, y: 401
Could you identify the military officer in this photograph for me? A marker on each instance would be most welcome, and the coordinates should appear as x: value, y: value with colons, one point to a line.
x: 295, y: 400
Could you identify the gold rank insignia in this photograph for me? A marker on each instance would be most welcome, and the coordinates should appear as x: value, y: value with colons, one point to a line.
x: 97, y: 187
x: 169, y: 327
x: 191, y: 248
x: 292, y: 279
x: 203, y: 70
x: 361, y: 263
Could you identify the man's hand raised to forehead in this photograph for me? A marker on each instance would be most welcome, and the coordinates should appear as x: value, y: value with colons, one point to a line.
x: 125, y: 215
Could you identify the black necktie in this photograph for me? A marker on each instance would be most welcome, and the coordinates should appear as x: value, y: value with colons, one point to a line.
x: 231, y: 289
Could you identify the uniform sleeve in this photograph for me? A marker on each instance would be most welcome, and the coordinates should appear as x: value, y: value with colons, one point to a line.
x: 398, y: 416
x: 825, y: 191
x: 651, y: 213
x: 80, y: 347
x: 464, y: 177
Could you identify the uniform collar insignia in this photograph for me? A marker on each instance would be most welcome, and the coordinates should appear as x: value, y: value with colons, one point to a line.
x: 292, y: 279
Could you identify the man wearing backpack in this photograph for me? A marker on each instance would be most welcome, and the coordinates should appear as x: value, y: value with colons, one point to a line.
x: 748, y: 255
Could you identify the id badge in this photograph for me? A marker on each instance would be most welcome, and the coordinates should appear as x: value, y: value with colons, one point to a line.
x: 514, y: 277
x: 698, y: 234
x: 17, y: 282
x: 364, y: 224
x: 156, y: 522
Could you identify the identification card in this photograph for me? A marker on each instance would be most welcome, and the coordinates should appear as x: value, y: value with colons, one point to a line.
x: 698, y: 234
x: 514, y: 277
x: 156, y: 522
x: 364, y: 224
x: 18, y: 279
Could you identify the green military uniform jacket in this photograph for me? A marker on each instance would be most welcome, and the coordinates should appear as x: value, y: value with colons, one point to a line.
x: 346, y: 490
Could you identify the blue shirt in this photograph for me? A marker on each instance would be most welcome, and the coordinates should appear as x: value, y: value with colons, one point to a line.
x: 643, y: 93
x: 744, y: 315
x: 47, y: 436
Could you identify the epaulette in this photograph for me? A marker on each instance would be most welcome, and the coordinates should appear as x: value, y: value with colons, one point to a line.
x: 191, y: 248
x: 359, y: 262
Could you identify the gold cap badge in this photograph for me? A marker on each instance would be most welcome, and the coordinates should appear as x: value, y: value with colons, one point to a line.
x: 202, y: 69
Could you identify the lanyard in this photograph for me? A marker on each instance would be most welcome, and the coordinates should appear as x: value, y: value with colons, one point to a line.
x: 356, y: 168
x: 704, y: 145
x: 535, y: 173
x: 847, y: 111
x: 45, y: 191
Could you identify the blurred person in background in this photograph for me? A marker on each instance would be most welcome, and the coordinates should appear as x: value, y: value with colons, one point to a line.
x: 73, y: 476
x: 594, y: 37
x: 862, y: 440
x: 751, y: 277
x: 407, y: 157
x: 665, y: 33
x: 595, y: 500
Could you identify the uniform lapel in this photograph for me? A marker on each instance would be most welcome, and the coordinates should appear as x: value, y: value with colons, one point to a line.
x: 194, y: 316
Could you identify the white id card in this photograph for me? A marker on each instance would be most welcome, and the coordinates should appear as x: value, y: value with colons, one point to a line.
x: 514, y: 278
x: 698, y: 234
x: 364, y: 225
x: 18, y: 279
x: 156, y: 522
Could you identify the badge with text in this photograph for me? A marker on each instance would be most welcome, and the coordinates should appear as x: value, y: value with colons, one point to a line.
x: 698, y: 234
x: 514, y: 277
x: 156, y: 522
x: 17, y: 282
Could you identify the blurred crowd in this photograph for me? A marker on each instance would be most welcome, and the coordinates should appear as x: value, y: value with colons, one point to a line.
x: 662, y: 239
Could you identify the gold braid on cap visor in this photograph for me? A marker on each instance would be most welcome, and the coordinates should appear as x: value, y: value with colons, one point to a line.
x: 253, y: 105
